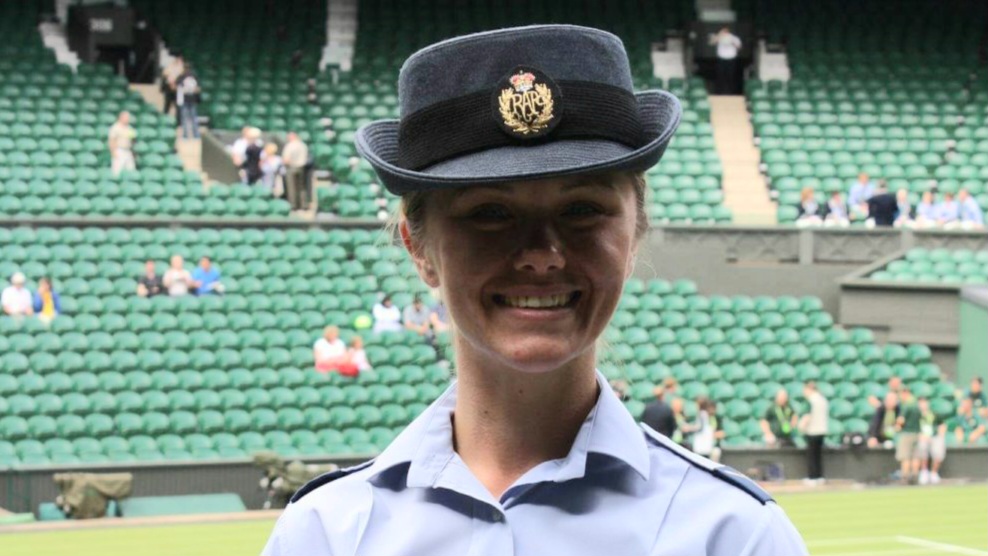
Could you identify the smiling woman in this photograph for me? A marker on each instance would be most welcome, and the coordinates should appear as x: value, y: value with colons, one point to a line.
x: 526, y: 216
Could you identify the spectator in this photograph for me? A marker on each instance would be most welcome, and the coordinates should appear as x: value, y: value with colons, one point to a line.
x: 970, y: 212
x: 149, y: 284
x: 815, y: 426
x: 271, y: 169
x: 169, y: 79
x: 926, y: 212
x: 658, y: 414
x: 16, y: 299
x: 977, y: 396
x: 881, y: 430
x: 238, y: 150
x: 858, y: 195
x: 968, y: 427
x: 120, y: 141
x: 295, y: 154
x: 728, y: 46
x: 908, y: 425
x: 895, y: 386
x: 708, y: 432
x: 357, y: 355
x: 330, y: 353
x: 836, y: 212
x: 620, y: 388
x: 671, y: 386
x: 206, y: 278
x: 882, y: 206
x: 932, y: 448
x: 903, y: 209
x: 947, y: 210
x: 779, y: 422
x: 251, y: 165
x: 683, y: 429
x: 177, y: 280
x: 187, y: 100
x: 439, y: 317
x: 46, y: 304
x: 387, y: 317
x: 416, y: 318
x: 808, y: 210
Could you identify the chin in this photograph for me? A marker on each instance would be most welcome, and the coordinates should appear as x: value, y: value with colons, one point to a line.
x: 535, y: 355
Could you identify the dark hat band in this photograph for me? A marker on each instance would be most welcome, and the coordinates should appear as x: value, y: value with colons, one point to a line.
x: 465, y: 124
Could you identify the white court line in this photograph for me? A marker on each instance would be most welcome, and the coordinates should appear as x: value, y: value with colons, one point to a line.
x: 849, y: 540
x: 953, y: 548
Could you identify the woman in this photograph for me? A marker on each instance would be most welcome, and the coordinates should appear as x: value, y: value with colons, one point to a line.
x: 387, y: 316
x: 808, y: 208
x: 707, y: 432
x: 529, y: 244
x: 251, y: 165
x: 47, y: 304
x: 271, y: 167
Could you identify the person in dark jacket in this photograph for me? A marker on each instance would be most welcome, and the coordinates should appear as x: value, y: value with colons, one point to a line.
x: 252, y: 157
x: 882, y: 426
x: 658, y: 415
x: 883, y: 206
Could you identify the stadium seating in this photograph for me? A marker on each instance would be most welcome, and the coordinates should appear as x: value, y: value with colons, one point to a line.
x: 898, y: 94
x: 123, y: 378
x: 938, y: 266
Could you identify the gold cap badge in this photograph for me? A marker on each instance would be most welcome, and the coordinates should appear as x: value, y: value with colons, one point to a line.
x: 526, y: 105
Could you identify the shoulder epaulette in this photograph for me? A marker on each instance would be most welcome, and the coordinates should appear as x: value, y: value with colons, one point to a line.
x: 327, y: 478
x: 723, y: 472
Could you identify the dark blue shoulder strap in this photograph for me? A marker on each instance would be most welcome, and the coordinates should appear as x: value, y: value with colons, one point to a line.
x: 327, y: 478
x: 723, y: 472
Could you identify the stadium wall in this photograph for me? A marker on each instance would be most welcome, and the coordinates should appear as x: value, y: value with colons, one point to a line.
x: 972, y: 359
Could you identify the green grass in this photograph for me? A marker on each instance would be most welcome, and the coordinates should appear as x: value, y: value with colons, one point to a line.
x: 941, y: 521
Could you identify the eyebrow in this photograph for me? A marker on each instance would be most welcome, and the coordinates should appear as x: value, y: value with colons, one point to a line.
x: 588, y: 181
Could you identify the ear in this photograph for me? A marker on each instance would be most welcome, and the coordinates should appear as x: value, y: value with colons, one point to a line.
x: 424, y: 266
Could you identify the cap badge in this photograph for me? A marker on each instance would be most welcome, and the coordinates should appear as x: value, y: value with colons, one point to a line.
x: 526, y: 107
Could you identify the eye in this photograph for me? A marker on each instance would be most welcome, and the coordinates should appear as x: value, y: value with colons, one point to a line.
x: 489, y: 213
x: 582, y: 210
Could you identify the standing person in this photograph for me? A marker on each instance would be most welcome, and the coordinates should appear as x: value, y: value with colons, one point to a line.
x: 707, y: 432
x: 658, y: 414
x: 858, y: 195
x: 251, y: 166
x: 271, y: 169
x: 883, y: 206
x: 47, y: 304
x: 169, y: 80
x: 177, y: 280
x: 120, y: 141
x: 16, y: 299
x: 779, y: 422
x: 682, y: 431
x: 881, y: 429
x: 149, y: 284
x: 531, y: 270
x: 728, y: 46
x: 187, y: 99
x: 908, y: 427
x: 387, y: 316
x: 238, y: 150
x: 932, y: 448
x: 295, y: 155
x: 815, y: 426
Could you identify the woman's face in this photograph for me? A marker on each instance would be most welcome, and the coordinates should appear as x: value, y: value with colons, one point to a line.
x: 531, y: 272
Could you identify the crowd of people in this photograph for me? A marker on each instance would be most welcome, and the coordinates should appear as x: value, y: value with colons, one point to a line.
x: 416, y: 317
x: 177, y: 281
x: 18, y: 301
x: 282, y: 173
x: 875, y: 205
x: 330, y: 354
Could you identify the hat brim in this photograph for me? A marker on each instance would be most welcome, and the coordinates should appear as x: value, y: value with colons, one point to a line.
x: 659, y: 112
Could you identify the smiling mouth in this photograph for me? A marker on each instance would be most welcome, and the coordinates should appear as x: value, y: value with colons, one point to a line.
x: 543, y: 303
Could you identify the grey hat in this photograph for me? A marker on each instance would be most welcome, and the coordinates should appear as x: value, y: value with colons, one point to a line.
x: 518, y: 104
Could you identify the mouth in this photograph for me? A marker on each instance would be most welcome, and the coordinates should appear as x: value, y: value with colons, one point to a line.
x: 552, y: 302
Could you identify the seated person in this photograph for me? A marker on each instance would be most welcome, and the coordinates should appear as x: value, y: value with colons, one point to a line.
x: 416, y: 317
x: 47, y: 305
x: 968, y: 427
x: 330, y: 353
x: 970, y: 212
x: 978, y: 399
x: 149, y: 284
x: 904, y: 209
x: 947, y: 210
x: 387, y: 317
x: 206, y: 278
x: 357, y: 355
x: 439, y: 318
x: 16, y: 299
x: 926, y: 210
x: 836, y: 212
x: 177, y: 280
x: 808, y: 210
x: 882, y: 428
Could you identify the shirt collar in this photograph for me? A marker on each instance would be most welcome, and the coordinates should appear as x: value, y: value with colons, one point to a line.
x: 427, y: 444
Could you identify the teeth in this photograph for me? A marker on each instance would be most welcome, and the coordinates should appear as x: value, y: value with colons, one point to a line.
x: 546, y: 302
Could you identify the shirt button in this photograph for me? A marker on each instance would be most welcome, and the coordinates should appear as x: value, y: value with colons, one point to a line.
x: 496, y: 516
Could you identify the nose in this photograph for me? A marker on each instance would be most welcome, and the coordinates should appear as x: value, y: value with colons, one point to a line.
x: 541, y: 251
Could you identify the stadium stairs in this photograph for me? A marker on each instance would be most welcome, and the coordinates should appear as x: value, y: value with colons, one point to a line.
x: 745, y: 192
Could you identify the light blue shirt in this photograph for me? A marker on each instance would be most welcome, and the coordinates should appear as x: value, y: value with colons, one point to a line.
x: 948, y: 211
x: 623, y: 489
x: 860, y: 193
x: 927, y: 211
x: 971, y: 212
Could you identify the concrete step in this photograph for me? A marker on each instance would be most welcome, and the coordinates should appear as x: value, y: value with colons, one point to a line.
x: 745, y: 191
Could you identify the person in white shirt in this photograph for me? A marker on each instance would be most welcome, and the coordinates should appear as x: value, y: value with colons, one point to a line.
x: 728, y: 46
x: 329, y: 351
x: 357, y: 355
x: 16, y: 299
x: 120, y: 141
x: 387, y: 317
x: 177, y: 279
x: 815, y: 426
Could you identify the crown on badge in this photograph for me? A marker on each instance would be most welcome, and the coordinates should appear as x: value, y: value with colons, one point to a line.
x: 522, y: 81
